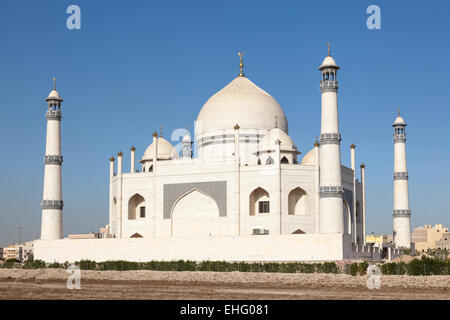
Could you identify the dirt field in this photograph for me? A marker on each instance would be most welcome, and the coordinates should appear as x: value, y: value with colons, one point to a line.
x: 51, y: 284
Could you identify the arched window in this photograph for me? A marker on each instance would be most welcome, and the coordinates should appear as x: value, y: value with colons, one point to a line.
x: 150, y: 169
x: 284, y: 160
x: 269, y: 160
x: 136, y: 207
x: 297, y: 203
x: 259, y: 161
x: 259, y: 202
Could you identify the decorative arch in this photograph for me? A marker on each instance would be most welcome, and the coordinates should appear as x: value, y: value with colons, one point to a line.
x: 259, y: 161
x: 347, y: 217
x: 269, y: 160
x: 195, y: 213
x: 297, y: 202
x: 259, y: 202
x: 284, y: 160
x: 136, y: 207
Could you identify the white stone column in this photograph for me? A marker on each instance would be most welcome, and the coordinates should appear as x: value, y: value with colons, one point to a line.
x: 132, y: 160
x: 119, y: 194
x: 52, y: 203
x: 237, y: 179
x: 354, y: 226
x: 402, y: 212
x: 277, y: 195
x: 111, y: 176
x: 363, y: 186
x: 330, y: 190
x: 153, y: 213
x: 317, y: 162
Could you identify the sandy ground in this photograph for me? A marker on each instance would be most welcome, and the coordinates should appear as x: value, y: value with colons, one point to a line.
x: 51, y: 284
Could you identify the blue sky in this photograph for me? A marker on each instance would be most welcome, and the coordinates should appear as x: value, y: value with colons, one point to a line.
x: 136, y: 65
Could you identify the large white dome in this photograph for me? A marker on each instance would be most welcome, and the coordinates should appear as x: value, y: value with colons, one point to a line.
x: 244, y: 103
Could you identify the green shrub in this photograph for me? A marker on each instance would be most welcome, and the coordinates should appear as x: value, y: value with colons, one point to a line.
x: 86, y: 264
x: 362, y: 268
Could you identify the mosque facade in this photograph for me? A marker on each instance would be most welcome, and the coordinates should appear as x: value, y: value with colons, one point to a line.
x: 246, y: 195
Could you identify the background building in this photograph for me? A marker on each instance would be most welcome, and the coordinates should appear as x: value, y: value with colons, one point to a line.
x: 13, y: 251
x: 426, y: 237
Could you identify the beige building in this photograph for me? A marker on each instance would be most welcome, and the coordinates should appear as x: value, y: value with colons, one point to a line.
x: 27, y: 250
x: 13, y: 251
x: 444, y: 243
x: 426, y: 237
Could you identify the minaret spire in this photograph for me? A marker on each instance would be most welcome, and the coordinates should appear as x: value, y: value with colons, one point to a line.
x: 241, y: 64
x: 402, y: 212
x: 52, y: 203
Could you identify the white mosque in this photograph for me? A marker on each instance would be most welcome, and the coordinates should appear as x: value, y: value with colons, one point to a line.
x: 247, y: 196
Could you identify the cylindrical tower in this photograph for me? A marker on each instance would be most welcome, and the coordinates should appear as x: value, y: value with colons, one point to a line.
x: 402, y: 213
x: 330, y: 190
x: 52, y: 203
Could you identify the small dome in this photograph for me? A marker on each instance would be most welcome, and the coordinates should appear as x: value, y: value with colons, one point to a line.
x: 240, y: 102
x: 165, y: 151
x: 186, y: 138
x: 277, y: 134
x: 328, y: 62
x: 310, y: 157
x: 399, y: 120
x: 53, y: 95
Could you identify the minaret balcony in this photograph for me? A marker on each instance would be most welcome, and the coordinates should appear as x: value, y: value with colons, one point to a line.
x: 329, y: 85
x: 52, y: 204
x: 402, y: 213
x: 331, y: 191
x: 54, y: 114
x: 400, y: 137
x: 400, y: 175
x: 327, y: 138
x: 53, y: 159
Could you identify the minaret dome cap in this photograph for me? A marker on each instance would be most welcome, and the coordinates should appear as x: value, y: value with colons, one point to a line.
x: 54, y: 95
x: 329, y: 62
x: 399, y: 121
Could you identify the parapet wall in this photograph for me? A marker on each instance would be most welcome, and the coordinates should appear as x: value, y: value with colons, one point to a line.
x: 298, y: 247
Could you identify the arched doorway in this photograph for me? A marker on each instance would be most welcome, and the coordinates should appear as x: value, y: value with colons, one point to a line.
x: 195, y: 214
x: 297, y: 204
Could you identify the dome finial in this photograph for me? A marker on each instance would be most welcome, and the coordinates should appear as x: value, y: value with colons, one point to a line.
x: 241, y: 65
x: 160, y: 131
x: 54, y: 83
x: 398, y: 111
x: 328, y: 45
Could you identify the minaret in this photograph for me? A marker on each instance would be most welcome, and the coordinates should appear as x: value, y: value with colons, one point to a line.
x: 187, y: 145
x: 402, y: 213
x: 331, y: 218
x: 52, y: 203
